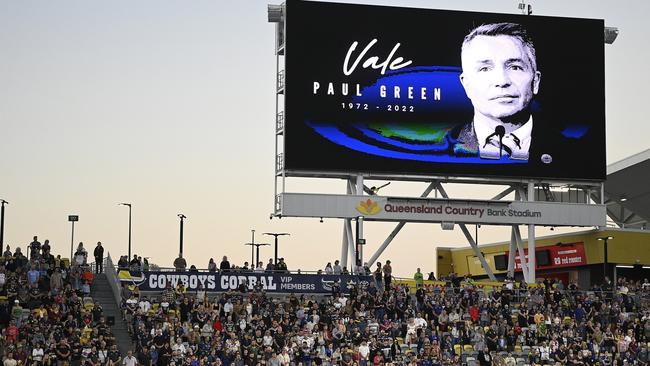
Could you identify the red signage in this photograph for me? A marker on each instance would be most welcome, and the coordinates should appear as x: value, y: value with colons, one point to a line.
x: 555, y: 256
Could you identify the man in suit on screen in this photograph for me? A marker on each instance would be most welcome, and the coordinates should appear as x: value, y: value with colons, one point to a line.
x: 501, y: 78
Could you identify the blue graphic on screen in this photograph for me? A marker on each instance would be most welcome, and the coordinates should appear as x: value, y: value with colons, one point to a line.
x: 443, y: 96
x: 575, y: 131
x: 337, y: 136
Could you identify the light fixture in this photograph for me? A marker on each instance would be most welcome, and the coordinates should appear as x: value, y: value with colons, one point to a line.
x: 275, y: 13
x: 610, y: 34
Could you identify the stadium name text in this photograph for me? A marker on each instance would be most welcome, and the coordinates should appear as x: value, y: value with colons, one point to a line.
x: 462, y: 211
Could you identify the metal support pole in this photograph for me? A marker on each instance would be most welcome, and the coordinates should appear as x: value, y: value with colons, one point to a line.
x: 511, y: 253
x: 522, y: 253
x: 129, y: 232
x: 532, y: 263
x: 252, y: 247
x: 471, y: 241
x: 275, y: 235
x: 347, y: 242
x: 348, y: 226
x: 181, y: 239
x: 397, y: 229
x: 605, y: 260
x: 72, y: 243
x: 2, y: 224
x: 359, y: 241
x: 344, y: 246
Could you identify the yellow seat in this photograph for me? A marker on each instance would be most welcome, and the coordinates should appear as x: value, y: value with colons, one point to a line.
x: 399, y: 340
x: 517, y: 348
x: 468, y: 348
x: 457, y: 349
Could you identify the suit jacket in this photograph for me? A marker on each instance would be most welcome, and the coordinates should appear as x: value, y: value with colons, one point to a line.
x: 550, y: 151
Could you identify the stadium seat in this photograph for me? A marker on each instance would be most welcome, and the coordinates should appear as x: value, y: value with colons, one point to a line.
x: 457, y: 349
x: 468, y: 348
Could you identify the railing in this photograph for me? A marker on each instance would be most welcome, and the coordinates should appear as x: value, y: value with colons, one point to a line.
x: 113, y: 281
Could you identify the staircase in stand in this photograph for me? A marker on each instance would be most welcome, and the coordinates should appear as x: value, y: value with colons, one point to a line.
x: 102, y: 293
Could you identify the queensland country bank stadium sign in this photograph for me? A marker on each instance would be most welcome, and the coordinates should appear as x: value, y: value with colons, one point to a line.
x: 380, y: 208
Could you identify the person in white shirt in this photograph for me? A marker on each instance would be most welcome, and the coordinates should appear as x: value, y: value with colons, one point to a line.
x: 129, y: 360
x: 179, y: 347
x: 364, y: 350
x: 144, y: 305
x: 227, y: 307
x: 38, y: 353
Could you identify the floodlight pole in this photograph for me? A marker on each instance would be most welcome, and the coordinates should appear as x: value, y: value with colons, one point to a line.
x: 605, y: 240
x: 276, y: 245
x: 182, y: 217
x: 129, y: 206
x: 2, y: 223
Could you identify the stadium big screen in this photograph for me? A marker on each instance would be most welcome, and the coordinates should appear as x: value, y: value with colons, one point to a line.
x: 387, y: 90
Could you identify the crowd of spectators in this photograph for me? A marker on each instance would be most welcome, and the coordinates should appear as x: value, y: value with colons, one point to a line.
x: 445, y: 323
x: 46, y: 315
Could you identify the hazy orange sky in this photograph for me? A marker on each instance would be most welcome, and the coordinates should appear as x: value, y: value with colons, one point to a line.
x: 169, y: 105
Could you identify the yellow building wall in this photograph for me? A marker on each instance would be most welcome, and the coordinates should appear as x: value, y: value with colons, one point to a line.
x: 626, y: 247
x: 444, y: 261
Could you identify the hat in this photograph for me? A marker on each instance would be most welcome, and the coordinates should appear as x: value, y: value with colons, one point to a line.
x: 16, y: 301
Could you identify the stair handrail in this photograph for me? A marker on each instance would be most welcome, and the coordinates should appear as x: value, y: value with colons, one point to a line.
x: 113, y: 281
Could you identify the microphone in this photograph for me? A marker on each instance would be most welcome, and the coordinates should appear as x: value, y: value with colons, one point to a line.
x: 499, y: 131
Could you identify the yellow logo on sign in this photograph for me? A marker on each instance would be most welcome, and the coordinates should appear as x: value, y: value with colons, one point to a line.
x: 368, y: 207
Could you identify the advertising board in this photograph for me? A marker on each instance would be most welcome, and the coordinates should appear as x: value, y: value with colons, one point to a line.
x: 559, y: 256
x: 213, y: 282
x: 386, y: 90
x: 381, y: 208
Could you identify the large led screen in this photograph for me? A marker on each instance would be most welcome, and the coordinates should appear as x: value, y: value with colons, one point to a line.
x: 386, y: 90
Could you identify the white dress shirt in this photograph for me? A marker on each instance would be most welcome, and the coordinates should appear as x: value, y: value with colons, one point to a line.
x: 518, y: 141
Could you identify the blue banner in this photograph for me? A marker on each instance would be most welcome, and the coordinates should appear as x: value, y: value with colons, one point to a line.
x: 222, y: 282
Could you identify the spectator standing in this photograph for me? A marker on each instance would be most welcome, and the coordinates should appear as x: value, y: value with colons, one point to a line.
x: 45, y: 248
x: 35, y: 247
x: 224, y: 266
x: 337, y: 270
x: 419, y: 279
x: 282, y: 266
x: 378, y: 276
x: 270, y: 267
x: 81, y: 255
x: 328, y: 268
x: 99, y: 257
x: 123, y: 263
x: 388, y: 274
x: 180, y: 264
x: 7, y: 252
x: 212, y: 266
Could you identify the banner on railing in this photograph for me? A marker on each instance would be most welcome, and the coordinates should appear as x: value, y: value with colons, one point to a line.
x: 223, y: 282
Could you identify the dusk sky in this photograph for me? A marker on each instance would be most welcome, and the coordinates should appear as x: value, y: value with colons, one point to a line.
x: 170, y: 105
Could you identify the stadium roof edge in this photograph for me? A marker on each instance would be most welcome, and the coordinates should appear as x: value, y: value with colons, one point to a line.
x: 628, y: 162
